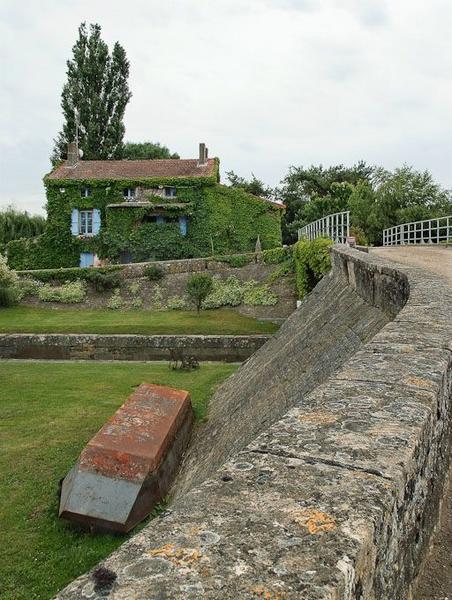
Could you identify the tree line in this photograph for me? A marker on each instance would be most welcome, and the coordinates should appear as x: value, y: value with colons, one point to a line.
x: 376, y: 198
x: 15, y: 224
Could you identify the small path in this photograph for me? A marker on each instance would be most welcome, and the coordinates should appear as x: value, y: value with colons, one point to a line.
x: 431, y: 258
x: 435, y: 579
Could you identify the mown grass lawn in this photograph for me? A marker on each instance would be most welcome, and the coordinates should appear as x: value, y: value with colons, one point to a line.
x: 25, y: 319
x: 48, y: 411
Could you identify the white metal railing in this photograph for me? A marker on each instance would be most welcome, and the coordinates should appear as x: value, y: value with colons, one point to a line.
x: 336, y: 227
x: 430, y: 231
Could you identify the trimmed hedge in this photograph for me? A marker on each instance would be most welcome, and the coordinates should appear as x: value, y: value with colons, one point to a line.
x: 312, y: 261
x: 71, y: 274
x: 236, y: 260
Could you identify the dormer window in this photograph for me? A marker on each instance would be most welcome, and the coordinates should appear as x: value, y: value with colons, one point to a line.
x: 85, y: 192
x: 129, y: 194
x: 170, y: 192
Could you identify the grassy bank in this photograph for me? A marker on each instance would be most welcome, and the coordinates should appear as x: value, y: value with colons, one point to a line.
x: 48, y: 411
x: 24, y: 319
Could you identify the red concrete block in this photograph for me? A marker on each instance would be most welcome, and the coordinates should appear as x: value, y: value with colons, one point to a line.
x: 128, y: 466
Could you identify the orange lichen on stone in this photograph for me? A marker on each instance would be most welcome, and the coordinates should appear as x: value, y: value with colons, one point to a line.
x: 407, y: 349
x: 418, y: 382
x: 318, y: 418
x: 314, y: 521
x: 263, y: 592
x: 181, y: 557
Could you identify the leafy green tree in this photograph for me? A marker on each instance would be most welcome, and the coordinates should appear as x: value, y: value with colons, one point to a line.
x: 302, y: 186
x: 253, y: 186
x: 199, y: 287
x: 401, y: 196
x: 96, y: 94
x: 146, y: 150
x: 375, y: 197
x: 15, y: 225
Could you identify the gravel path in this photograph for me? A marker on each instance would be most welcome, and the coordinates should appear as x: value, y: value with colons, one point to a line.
x: 435, y: 579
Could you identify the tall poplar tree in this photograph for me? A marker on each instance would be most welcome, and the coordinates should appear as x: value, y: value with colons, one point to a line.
x: 95, y: 94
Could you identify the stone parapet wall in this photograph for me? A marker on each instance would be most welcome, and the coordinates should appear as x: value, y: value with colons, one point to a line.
x: 337, y: 496
x: 229, y: 348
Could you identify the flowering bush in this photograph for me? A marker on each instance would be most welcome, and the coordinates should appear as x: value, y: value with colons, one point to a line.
x: 72, y: 292
x: 115, y: 302
x: 232, y: 292
x: 8, y: 278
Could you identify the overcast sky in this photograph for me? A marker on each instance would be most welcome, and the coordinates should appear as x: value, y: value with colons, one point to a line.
x: 265, y: 83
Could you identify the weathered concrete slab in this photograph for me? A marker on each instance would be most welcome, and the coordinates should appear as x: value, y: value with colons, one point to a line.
x: 128, y: 466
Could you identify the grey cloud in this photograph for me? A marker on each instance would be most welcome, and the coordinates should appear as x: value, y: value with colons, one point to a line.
x: 266, y: 83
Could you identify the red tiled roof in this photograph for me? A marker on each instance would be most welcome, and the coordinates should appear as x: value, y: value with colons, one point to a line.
x: 134, y: 169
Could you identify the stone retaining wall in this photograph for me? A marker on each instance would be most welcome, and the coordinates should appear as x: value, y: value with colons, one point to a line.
x: 337, y: 498
x: 229, y: 348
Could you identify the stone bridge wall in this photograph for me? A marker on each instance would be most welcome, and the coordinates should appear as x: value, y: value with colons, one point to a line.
x: 229, y: 348
x: 336, y: 493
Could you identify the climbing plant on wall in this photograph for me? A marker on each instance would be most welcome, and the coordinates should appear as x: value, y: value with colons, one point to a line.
x: 220, y: 220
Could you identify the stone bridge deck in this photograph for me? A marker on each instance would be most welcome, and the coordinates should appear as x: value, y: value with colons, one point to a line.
x: 432, y: 258
x: 336, y: 495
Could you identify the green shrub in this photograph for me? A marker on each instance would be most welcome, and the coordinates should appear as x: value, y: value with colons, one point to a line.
x: 115, y: 302
x: 154, y: 273
x: 176, y: 303
x: 157, y: 297
x: 232, y: 292
x: 199, y: 286
x: 312, y: 261
x: 72, y: 292
x: 236, y: 260
x: 103, y: 281
x: 137, y: 303
x: 285, y: 268
x: 225, y: 292
x: 275, y: 256
x: 8, y: 296
x: 8, y: 277
x: 27, y: 287
x: 134, y: 288
x: 258, y: 295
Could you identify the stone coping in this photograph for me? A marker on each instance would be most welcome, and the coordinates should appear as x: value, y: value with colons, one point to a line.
x: 339, y: 497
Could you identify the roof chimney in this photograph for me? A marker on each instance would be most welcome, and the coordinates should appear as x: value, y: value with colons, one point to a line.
x: 72, y: 154
x: 203, y: 152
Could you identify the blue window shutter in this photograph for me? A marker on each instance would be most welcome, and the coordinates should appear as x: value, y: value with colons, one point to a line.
x: 74, y: 222
x: 86, y: 259
x: 96, y: 221
x: 160, y: 220
x: 183, y: 225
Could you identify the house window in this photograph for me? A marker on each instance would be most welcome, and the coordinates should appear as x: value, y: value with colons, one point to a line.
x: 86, y: 222
x: 129, y: 194
x: 183, y: 225
x: 85, y: 192
x: 170, y: 192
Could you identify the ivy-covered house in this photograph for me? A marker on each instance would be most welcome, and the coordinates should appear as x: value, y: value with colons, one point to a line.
x: 138, y: 210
